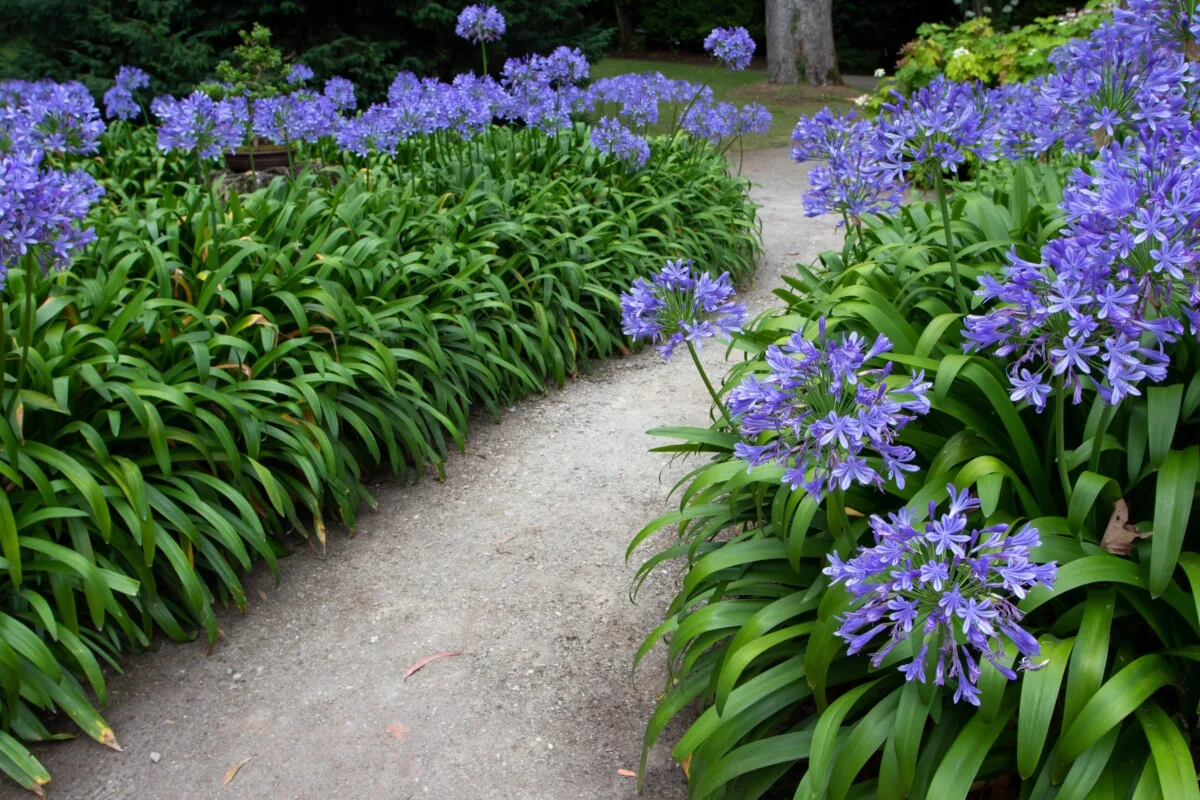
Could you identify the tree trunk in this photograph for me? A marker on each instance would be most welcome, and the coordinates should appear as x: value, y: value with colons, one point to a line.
x: 626, y: 30
x: 781, y: 42
x: 816, y: 35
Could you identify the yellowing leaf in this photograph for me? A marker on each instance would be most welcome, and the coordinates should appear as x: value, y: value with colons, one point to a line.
x: 233, y: 771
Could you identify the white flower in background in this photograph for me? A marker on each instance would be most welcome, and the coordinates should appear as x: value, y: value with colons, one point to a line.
x: 960, y: 52
x: 862, y: 99
x: 879, y: 73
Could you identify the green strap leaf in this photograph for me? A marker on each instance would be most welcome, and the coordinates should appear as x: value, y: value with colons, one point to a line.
x: 1174, y: 492
x: 825, y: 739
x: 1116, y: 700
x: 1039, y: 696
x: 960, y: 765
x: 1162, y: 413
x: 1172, y: 758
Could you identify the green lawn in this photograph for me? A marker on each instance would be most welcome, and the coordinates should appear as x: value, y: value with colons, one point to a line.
x: 786, y: 103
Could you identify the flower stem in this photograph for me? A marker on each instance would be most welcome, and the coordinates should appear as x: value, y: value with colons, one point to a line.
x: 483, y: 51
x: 1106, y: 417
x: 945, y: 207
x: 26, y: 334
x: 839, y: 524
x: 708, y: 385
x: 1060, y: 437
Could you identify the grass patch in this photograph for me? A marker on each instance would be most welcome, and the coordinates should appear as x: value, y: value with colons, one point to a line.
x: 785, y: 102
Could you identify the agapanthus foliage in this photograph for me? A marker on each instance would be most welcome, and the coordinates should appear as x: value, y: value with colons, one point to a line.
x: 733, y: 47
x: 850, y: 181
x: 680, y: 305
x: 947, y: 590
x: 41, y: 211
x: 821, y: 411
x: 119, y: 101
x: 479, y: 24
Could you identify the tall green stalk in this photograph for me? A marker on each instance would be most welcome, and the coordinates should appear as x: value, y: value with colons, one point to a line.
x: 1106, y: 417
x: 941, y: 193
x: 708, y: 385
x: 838, y: 523
x: 1060, y: 436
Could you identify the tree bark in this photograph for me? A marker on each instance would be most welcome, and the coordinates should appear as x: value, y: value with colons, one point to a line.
x: 781, y: 42
x: 816, y: 34
x: 626, y: 30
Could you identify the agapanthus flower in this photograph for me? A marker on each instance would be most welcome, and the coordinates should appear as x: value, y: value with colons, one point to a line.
x: 289, y: 119
x: 376, y: 130
x: 479, y: 24
x: 710, y: 121
x: 340, y: 92
x: 471, y: 102
x: 200, y: 125
x: 851, y: 181
x: 119, y: 102
x: 821, y: 413
x: 947, y: 591
x: 937, y: 126
x: 733, y: 47
x: 299, y: 73
x: 50, y: 117
x: 752, y: 118
x: 611, y: 137
x: 678, y: 305
x: 542, y: 89
x: 41, y: 211
x: 637, y: 95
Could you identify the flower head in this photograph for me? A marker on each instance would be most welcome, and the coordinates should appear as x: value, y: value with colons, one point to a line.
x: 819, y: 413
x: 677, y: 305
x: 851, y: 181
x: 611, y: 137
x: 480, y: 23
x: 733, y: 47
x: 299, y: 73
x: 340, y: 92
x: 119, y: 102
x: 944, y: 589
x: 198, y: 124
x: 937, y: 125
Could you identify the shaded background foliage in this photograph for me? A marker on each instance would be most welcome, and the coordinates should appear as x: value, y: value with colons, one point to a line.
x: 180, y: 41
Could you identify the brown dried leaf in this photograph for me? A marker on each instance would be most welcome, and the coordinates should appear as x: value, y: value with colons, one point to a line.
x: 429, y: 659
x: 233, y: 771
x: 262, y: 594
x: 853, y: 512
x: 1119, y: 535
x: 399, y: 731
x: 627, y: 773
x: 686, y: 766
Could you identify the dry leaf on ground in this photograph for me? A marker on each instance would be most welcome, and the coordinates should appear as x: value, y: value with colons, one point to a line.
x: 1119, y: 536
x: 627, y: 773
x: 233, y: 771
x: 399, y: 731
x: 428, y: 659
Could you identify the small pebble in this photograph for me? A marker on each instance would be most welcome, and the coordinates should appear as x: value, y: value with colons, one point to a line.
x: 155, y: 757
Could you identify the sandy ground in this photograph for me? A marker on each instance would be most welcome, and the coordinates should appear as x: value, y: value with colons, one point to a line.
x: 516, y: 561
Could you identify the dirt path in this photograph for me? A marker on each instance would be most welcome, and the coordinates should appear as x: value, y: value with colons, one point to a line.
x: 516, y: 561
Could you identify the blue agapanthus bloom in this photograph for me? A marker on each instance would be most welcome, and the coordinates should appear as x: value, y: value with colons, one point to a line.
x: 340, y: 92
x: 820, y: 413
x: 49, y: 117
x: 41, y: 211
x: 479, y: 24
x: 611, y: 137
x: 638, y: 96
x: 947, y: 590
x: 733, y: 47
x: 299, y: 73
x: 119, y: 102
x: 678, y: 305
x: 199, y: 125
x: 850, y: 181
x: 937, y: 125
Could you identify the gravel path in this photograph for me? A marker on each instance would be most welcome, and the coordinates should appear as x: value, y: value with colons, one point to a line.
x: 517, y: 561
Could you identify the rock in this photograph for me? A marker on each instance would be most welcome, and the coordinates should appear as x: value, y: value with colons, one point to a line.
x: 156, y: 757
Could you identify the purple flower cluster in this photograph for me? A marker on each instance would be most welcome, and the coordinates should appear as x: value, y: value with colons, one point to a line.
x: 944, y: 590
x: 299, y: 74
x: 819, y: 412
x: 611, y: 137
x: 543, y: 91
x: 340, y: 92
x: 678, y: 306
x: 936, y: 127
x: 49, y: 117
x: 119, y: 102
x: 40, y: 211
x: 199, y: 125
x: 479, y: 24
x: 733, y: 47
x: 1115, y: 288
x: 850, y: 182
